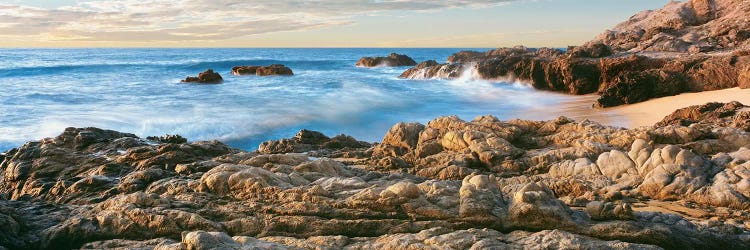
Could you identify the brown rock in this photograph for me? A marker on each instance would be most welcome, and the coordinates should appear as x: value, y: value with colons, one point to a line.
x: 244, y: 70
x: 466, y: 56
x: 592, y: 50
x: 709, y: 112
x: 392, y: 60
x: 744, y: 79
x: 274, y: 69
x: 307, y: 141
x: 208, y: 76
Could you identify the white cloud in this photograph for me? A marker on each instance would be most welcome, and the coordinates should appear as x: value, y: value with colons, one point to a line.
x: 195, y: 20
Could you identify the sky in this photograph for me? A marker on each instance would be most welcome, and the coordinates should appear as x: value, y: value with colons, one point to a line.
x: 313, y: 23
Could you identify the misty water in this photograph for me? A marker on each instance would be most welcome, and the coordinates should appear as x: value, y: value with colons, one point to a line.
x: 43, y: 91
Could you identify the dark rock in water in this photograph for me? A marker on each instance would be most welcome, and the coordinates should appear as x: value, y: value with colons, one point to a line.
x: 244, y: 70
x: 208, y: 76
x: 393, y: 60
x: 425, y: 64
x: 273, y: 69
x: 432, y: 70
x: 168, y: 139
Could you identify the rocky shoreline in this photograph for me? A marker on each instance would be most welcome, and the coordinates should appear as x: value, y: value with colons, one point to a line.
x: 690, y: 46
x: 449, y: 184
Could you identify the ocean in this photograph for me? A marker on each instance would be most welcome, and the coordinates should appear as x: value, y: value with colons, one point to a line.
x: 43, y: 91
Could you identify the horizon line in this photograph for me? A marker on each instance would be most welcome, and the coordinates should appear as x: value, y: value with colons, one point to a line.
x: 95, y: 47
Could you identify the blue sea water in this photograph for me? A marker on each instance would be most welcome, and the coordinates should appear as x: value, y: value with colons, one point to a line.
x: 43, y: 91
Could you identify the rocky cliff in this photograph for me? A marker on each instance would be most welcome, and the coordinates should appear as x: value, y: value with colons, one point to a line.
x: 688, y: 46
x: 449, y: 184
x: 690, y: 26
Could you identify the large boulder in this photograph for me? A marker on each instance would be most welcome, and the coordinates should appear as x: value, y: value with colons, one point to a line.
x: 534, y: 207
x: 401, y: 139
x: 481, y: 201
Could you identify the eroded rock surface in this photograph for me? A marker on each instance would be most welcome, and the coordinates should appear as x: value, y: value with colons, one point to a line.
x: 449, y: 184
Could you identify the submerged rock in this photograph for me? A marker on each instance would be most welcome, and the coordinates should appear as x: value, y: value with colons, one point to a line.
x: 208, y: 76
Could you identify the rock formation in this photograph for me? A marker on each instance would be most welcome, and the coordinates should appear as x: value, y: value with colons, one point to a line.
x: 392, y: 60
x: 691, y: 26
x: 273, y: 69
x: 208, y: 76
x: 449, y: 184
x: 690, y: 46
x: 244, y: 70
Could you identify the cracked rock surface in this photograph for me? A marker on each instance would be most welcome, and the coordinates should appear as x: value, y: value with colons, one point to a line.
x: 448, y: 184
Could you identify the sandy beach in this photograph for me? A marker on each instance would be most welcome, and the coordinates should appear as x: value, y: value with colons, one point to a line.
x: 652, y: 111
x: 633, y: 115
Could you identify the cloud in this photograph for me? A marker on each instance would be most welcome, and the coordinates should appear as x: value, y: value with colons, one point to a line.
x: 195, y: 20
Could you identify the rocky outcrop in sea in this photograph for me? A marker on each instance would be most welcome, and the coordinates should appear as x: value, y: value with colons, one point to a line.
x: 448, y: 184
x: 392, y: 60
x: 208, y: 76
x: 691, y: 46
x: 273, y: 69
